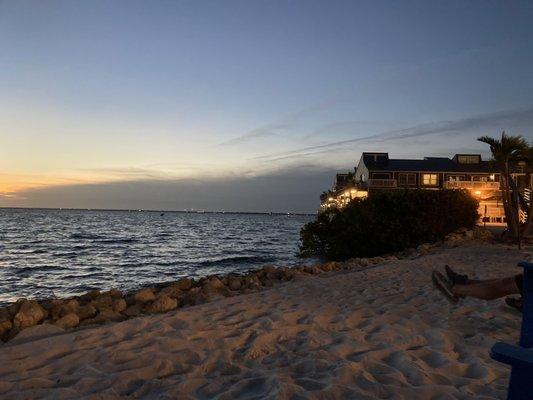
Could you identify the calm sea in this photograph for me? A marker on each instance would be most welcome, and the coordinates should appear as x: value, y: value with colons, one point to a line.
x: 60, y: 253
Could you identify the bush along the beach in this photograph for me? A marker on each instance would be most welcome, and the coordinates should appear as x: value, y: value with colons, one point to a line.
x: 388, y: 222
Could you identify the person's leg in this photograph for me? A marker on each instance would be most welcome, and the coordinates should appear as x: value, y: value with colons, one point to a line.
x: 463, y: 279
x: 488, y: 290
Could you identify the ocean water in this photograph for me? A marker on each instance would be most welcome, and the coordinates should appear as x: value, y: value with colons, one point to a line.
x: 46, y: 253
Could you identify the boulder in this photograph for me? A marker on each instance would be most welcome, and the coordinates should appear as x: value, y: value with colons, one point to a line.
x: 91, y: 295
x: 68, y: 321
x: 184, y: 284
x: 299, y: 268
x: 162, y: 304
x: 144, y: 295
x: 213, y: 284
x: 5, y: 314
x: 133, y: 311
x: 195, y: 296
x: 108, y: 315
x: 269, y: 269
x: 287, y: 274
x: 265, y: 281
x: 87, y: 311
x: 234, y: 283
x: 119, y: 305
x: 103, y: 302
x: 330, y: 266
x: 251, y: 282
x: 377, y: 260
x: 171, y: 291
x: 61, y: 308
x: 454, y: 237
x: 5, y: 326
x: 14, y: 308
x: 30, y: 313
x: 312, y: 269
x: 114, y: 293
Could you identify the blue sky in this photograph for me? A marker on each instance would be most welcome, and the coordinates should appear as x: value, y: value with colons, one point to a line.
x: 102, y: 93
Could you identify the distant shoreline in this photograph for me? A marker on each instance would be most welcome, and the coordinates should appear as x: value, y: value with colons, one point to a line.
x: 159, y: 211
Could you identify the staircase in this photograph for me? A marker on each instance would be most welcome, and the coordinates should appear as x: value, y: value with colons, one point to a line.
x: 522, y: 215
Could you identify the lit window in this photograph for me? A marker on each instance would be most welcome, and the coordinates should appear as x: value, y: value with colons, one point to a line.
x: 430, y: 179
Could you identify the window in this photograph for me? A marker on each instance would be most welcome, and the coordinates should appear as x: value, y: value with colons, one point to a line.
x: 406, y: 179
x: 430, y: 179
x: 468, y: 159
x: 402, y: 179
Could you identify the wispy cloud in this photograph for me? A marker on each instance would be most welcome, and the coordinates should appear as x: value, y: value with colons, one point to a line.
x: 490, y: 121
x: 288, y: 121
x: 265, y: 131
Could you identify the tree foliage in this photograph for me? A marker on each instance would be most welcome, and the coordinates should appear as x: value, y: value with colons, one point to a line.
x: 387, y: 222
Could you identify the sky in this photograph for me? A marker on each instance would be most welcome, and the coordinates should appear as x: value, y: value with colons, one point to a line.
x: 246, y: 105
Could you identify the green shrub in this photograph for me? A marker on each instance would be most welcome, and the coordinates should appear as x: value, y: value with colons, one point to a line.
x: 387, y: 222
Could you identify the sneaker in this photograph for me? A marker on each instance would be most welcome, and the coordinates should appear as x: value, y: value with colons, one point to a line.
x: 455, y: 278
x: 444, y: 286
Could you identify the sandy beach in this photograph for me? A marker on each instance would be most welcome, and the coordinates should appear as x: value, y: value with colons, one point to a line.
x: 376, y: 332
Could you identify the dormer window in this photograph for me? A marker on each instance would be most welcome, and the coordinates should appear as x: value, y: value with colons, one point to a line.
x: 468, y: 159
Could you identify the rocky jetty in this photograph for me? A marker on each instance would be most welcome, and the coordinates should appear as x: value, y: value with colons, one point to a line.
x: 100, y: 307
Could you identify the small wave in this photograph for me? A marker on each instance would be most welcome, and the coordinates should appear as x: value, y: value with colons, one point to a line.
x: 39, y: 251
x: 117, y: 240
x: 69, y: 254
x: 83, y: 235
x: 235, y: 260
x: 27, y: 271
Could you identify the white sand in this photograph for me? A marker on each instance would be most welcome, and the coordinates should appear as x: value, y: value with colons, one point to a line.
x: 379, y: 333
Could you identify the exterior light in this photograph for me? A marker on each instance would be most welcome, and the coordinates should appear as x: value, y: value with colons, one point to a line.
x: 477, y: 192
x: 492, y: 177
x: 330, y: 198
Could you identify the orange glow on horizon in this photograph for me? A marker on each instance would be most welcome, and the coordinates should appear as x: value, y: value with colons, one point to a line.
x: 13, y: 185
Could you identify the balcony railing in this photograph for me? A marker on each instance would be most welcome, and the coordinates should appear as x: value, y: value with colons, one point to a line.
x: 382, y: 183
x: 472, y: 185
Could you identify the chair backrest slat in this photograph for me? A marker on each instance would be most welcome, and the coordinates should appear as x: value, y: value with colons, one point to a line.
x: 526, y: 333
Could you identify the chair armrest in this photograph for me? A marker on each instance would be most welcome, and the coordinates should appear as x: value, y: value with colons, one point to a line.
x: 513, y: 355
x: 527, y: 266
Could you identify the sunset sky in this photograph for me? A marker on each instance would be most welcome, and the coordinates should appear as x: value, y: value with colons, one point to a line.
x: 246, y: 105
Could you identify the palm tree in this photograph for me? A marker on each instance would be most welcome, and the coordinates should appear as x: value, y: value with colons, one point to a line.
x: 504, y: 152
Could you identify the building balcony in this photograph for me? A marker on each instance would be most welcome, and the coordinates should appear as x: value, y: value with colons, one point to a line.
x: 477, y: 185
x: 382, y: 183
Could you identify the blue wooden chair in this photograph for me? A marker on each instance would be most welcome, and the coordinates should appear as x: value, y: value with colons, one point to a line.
x: 520, y: 358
